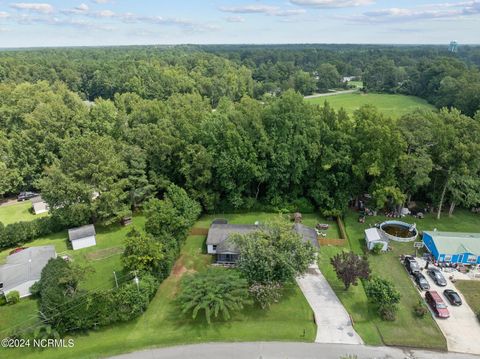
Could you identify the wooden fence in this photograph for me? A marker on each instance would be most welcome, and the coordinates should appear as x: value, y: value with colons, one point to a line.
x: 332, y: 242
x: 199, y: 231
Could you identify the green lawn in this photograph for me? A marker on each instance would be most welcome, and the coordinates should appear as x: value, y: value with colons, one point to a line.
x: 388, y: 266
x: 18, y: 212
x: 162, y: 325
x: 357, y: 84
x: 391, y: 105
x: 471, y: 291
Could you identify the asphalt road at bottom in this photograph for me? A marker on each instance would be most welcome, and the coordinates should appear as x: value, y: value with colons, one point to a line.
x: 283, y: 350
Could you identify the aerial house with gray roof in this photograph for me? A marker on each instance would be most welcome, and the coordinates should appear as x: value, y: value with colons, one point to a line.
x: 23, y: 268
x: 219, y: 241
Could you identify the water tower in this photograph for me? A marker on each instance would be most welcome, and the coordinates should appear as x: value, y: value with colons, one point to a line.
x: 453, y: 47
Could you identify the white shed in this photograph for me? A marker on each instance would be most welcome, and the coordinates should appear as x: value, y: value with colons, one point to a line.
x: 39, y: 205
x: 373, y: 237
x: 82, y: 237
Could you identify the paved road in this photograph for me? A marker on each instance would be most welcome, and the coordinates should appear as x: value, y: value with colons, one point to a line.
x: 284, y: 350
x: 332, y: 93
x: 333, y: 322
x: 462, y: 329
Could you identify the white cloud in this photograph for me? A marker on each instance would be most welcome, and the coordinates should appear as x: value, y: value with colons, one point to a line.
x: 4, y: 15
x: 330, y: 4
x: 34, y: 7
x: 235, y: 19
x: 104, y: 13
x: 102, y: 1
x: 261, y: 9
x: 423, y: 12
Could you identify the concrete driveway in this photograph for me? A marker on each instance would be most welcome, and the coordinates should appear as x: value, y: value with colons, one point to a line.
x: 333, y: 322
x: 462, y: 329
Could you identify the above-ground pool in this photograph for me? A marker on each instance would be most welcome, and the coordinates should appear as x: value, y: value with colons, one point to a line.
x: 399, y: 231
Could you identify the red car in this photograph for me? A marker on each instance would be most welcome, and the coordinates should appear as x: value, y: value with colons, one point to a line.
x: 437, y: 304
x: 16, y: 250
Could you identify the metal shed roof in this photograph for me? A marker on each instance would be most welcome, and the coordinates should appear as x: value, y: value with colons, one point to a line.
x: 81, y: 232
x: 455, y: 242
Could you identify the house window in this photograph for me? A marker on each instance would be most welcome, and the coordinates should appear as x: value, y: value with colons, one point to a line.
x: 472, y: 259
x: 447, y: 258
x: 214, y: 247
x: 1, y: 285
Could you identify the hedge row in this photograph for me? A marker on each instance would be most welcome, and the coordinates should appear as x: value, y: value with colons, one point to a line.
x: 19, y: 233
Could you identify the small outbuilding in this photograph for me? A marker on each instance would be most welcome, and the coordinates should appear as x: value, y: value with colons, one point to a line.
x: 453, y: 247
x: 39, y: 205
x: 82, y: 237
x: 373, y: 237
x: 23, y: 268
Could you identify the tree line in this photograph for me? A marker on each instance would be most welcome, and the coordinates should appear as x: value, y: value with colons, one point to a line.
x: 156, y: 72
x: 98, y: 163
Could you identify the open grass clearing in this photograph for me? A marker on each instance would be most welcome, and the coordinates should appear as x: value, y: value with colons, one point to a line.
x: 471, y: 291
x: 393, y: 106
x: 18, y: 212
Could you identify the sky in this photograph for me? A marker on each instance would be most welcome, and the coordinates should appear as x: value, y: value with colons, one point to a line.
x: 139, y: 22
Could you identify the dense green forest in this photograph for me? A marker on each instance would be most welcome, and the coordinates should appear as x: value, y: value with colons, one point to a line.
x: 229, y: 125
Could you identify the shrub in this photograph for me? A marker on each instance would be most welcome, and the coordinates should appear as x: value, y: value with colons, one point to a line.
x: 383, y: 293
x: 216, y: 292
x: 13, y: 297
x: 388, y: 312
x: 349, y: 267
x: 266, y: 294
x: 377, y: 249
x: 420, y: 309
x: 19, y: 233
x: 3, y: 300
x: 478, y: 316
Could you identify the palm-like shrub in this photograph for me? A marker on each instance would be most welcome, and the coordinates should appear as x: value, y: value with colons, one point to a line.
x: 216, y: 292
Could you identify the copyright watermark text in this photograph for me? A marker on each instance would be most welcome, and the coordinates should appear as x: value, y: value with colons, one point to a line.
x: 37, y: 343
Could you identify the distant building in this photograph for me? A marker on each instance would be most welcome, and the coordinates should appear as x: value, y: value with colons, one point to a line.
x: 453, y: 247
x: 39, y: 205
x: 24, y: 268
x: 219, y: 241
x: 349, y: 78
x: 82, y: 237
x: 453, y: 47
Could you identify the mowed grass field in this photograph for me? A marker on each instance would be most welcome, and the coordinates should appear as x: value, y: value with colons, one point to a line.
x: 393, y: 106
x: 18, y: 212
x: 163, y: 325
x: 471, y: 291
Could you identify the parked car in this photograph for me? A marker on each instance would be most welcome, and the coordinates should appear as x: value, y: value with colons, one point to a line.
x: 452, y: 297
x: 421, y: 281
x: 23, y: 196
x: 16, y: 250
x: 437, y: 304
x: 437, y: 277
x: 411, y: 265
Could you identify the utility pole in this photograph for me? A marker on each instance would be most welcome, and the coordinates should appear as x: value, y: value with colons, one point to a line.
x: 116, y: 280
x: 136, y: 280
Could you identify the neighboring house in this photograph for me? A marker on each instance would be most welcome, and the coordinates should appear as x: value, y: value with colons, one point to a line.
x: 82, y: 237
x: 39, y: 205
x: 225, y: 250
x: 24, y: 268
x: 348, y: 78
x: 452, y: 247
x: 373, y: 237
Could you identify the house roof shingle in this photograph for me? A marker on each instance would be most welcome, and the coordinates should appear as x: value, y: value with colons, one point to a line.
x: 25, y: 266
x: 81, y: 232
